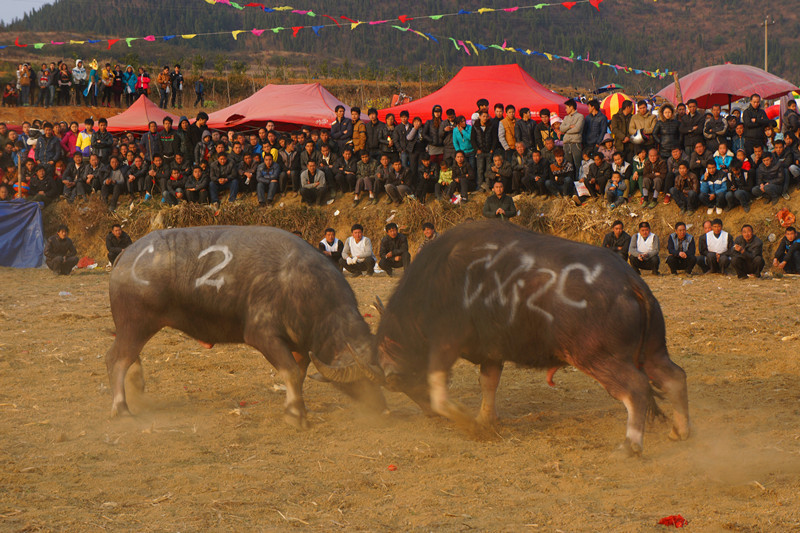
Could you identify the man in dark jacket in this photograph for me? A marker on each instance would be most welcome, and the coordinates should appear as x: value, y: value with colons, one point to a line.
x: 102, y: 141
x: 617, y: 240
x: 223, y: 176
x: 150, y: 144
x: 42, y: 188
x: 59, y: 252
x: 680, y: 247
x: 787, y: 255
x: 715, y: 130
x: 196, y: 130
x: 523, y: 129
x: 116, y: 241
x: 620, y: 123
x: 499, y: 205
x: 755, y: 120
x: 595, y: 126
x: 197, y: 185
x: 341, y: 129
x: 376, y: 130
x: 770, y: 179
x: 394, y: 250
x: 168, y: 141
x: 484, y: 143
x: 791, y: 119
x: 48, y: 149
x: 747, y: 256
x: 691, y: 126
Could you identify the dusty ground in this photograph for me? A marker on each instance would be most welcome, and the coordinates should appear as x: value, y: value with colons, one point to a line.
x: 214, y: 454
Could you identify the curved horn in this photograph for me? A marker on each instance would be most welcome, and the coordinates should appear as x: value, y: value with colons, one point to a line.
x: 378, y: 305
x: 373, y: 372
x: 339, y: 374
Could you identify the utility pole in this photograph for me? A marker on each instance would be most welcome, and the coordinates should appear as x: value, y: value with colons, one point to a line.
x: 766, y: 25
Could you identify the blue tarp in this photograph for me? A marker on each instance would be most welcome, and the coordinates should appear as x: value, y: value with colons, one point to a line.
x: 21, y: 234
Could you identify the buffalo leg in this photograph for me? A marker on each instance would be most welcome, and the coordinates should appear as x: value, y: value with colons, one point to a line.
x: 626, y: 384
x: 442, y: 361
x: 671, y: 379
x: 123, y: 353
x: 490, y: 379
x: 292, y: 373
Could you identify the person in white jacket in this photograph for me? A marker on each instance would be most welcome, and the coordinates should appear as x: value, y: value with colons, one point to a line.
x: 357, y: 256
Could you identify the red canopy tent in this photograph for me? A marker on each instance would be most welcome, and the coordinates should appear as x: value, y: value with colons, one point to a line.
x: 722, y: 84
x: 506, y: 84
x: 138, y: 116
x: 289, y: 106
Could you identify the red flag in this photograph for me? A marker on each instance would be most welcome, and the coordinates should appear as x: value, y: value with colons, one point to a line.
x: 333, y: 19
x: 253, y: 4
x: 595, y: 4
x: 111, y: 42
x: 348, y: 19
x: 296, y: 29
x: 16, y: 43
x: 405, y: 18
x: 568, y: 5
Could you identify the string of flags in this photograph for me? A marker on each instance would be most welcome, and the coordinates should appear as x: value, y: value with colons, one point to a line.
x: 467, y: 46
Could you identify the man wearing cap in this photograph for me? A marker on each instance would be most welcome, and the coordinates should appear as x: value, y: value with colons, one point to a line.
x: 770, y: 179
x: 572, y: 134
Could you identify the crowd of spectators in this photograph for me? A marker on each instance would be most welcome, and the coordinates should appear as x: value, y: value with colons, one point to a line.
x: 682, y: 155
x: 61, y: 84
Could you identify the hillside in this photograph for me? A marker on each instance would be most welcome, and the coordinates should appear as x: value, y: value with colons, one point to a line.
x: 681, y: 35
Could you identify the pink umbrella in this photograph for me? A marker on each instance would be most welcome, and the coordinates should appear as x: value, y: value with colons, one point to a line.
x: 722, y: 84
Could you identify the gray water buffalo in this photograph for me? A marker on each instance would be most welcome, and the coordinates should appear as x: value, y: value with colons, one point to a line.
x: 492, y: 292
x: 255, y: 285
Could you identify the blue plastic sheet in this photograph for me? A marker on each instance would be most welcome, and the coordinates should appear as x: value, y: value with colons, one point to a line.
x: 21, y: 234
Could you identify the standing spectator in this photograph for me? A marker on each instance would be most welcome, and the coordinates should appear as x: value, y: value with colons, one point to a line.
x: 462, y: 141
x: 375, y: 131
x: 176, y: 86
x: 506, y: 133
x: 102, y: 142
x: 64, y: 81
x: 787, y: 255
x: 80, y: 80
x: 359, y: 130
x: 715, y: 130
x: 523, y: 130
x: 483, y: 142
x: 791, y: 119
x: 595, y: 126
x: 643, y: 122
x: 681, y: 248
x: 163, y: 81
x: 667, y: 131
x: 149, y: 144
x: 747, y: 256
x: 543, y: 130
x: 70, y: 139
x: 716, y: 247
x: 427, y: 177
x: 433, y: 135
x: 52, y: 84
x: 199, y: 91
x: 48, y: 149
x: 499, y: 205
x: 342, y: 129
x: 755, y: 120
x: 572, y: 134
x: 617, y: 240
x: 357, y: 257
x: 394, y: 250
x: 620, y: 127
x: 331, y: 247
x: 107, y: 83
x: 692, y: 124
x: 643, y: 252
x: 25, y: 78
x: 129, y: 85
x: 43, y: 82
x: 116, y: 241
x: 197, y: 129
x: 142, y: 83
x: 119, y: 86
x: 59, y: 252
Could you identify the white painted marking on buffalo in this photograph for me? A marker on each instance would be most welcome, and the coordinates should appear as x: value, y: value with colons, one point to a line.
x: 134, y: 275
x: 205, y: 279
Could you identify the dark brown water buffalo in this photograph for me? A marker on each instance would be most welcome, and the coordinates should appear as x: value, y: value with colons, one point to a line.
x: 254, y: 285
x: 492, y: 292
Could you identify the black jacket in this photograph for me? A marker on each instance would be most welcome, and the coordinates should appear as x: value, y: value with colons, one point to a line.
x: 484, y: 139
x: 115, y: 245
x: 398, y: 246
x: 56, y: 247
x: 755, y: 120
x: 687, y: 123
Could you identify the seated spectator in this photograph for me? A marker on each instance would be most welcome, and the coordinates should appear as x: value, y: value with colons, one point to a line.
x: 637, y: 176
x: 747, y: 256
x: 499, y: 205
x: 681, y: 248
x: 94, y: 175
x: 716, y: 247
x: 499, y: 170
x: 770, y: 179
x: 643, y: 252
x: 357, y: 257
x: 713, y: 188
x: 723, y: 157
x: 223, y: 176
x: 429, y: 233
x: 313, y: 187
x: 615, y: 190
x: 42, y: 188
x: 116, y: 241
x: 176, y: 188
x: 366, y: 171
x: 607, y: 148
x: 519, y: 164
x: 5, y: 194
x: 686, y: 189
x: 398, y: 182
x: 617, y: 240
x: 740, y: 184
x: 267, y: 180
x: 445, y: 178
x: 394, y: 250
x: 653, y: 175
x: 787, y: 255
x: 332, y: 247
x: 114, y: 184
x: 197, y: 185
x: 536, y: 175
x: 136, y: 176
x: 562, y: 175
x: 59, y: 252
x: 598, y: 175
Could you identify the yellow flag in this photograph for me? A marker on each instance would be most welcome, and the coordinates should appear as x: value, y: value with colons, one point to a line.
x: 236, y: 34
x: 189, y: 36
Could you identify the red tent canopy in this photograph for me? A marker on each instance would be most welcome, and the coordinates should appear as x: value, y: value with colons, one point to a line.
x: 138, y: 115
x: 506, y: 84
x: 722, y: 84
x: 289, y: 106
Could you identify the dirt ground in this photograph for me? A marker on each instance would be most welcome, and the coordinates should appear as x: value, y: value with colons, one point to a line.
x: 211, y: 452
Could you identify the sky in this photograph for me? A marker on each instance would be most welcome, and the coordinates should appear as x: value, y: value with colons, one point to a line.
x: 17, y: 8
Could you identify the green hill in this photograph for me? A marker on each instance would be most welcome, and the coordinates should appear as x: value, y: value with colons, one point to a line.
x: 681, y: 35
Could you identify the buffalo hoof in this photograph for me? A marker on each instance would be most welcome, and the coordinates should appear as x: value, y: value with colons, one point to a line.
x: 633, y: 449
x: 678, y: 435
x: 297, y: 421
x: 120, y: 409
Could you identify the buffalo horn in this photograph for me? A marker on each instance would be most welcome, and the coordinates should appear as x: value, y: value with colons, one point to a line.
x: 372, y: 372
x: 339, y: 374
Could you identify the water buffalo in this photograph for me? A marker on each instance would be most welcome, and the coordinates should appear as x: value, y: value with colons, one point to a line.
x: 254, y: 285
x: 492, y: 292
